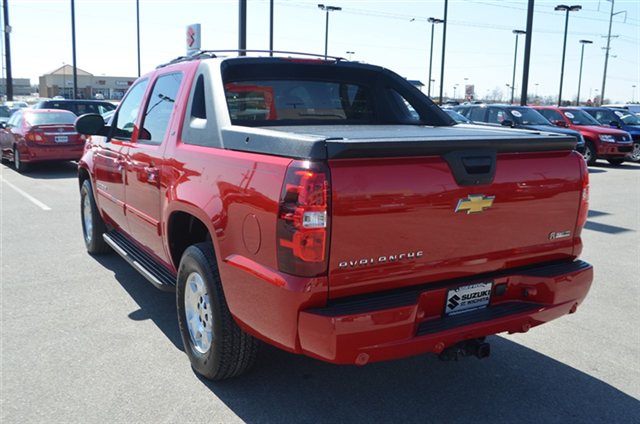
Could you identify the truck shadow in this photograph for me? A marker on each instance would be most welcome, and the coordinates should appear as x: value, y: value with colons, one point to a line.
x: 516, y: 384
x: 155, y: 305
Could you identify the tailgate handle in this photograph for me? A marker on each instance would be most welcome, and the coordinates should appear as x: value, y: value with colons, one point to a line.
x: 477, y: 164
x: 472, y: 167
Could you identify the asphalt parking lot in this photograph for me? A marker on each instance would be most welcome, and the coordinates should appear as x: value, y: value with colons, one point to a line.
x: 86, y: 339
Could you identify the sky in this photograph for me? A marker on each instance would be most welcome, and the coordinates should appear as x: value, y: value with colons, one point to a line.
x: 480, y: 44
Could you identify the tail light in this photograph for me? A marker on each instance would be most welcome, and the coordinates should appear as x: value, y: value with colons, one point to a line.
x: 34, y: 135
x: 303, y: 220
x: 584, y: 198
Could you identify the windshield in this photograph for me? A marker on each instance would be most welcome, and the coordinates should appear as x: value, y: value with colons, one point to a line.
x: 526, y: 116
x: 50, y: 118
x: 627, y: 118
x: 578, y: 117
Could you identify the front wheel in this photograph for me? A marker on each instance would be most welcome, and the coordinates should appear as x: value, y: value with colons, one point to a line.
x: 635, y: 153
x: 93, y: 226
x: 615, y: 162
x: 590, y: 153
x: 216, y: 346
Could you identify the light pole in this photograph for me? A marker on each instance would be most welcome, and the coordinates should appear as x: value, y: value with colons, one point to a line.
x: 517, y: 32
x: 138, y: 31
x: 583, y: 42
x: 633, y: 93
x: 537, y: 84
x: 350, y: 53
x: 455, y: 87
x: 565, y: 9
x: 326, y: 30
x: 64, y: 79
x: 444, y: 44
x: 433, y: 22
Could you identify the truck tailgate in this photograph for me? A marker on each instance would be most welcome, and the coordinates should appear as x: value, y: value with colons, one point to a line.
x: 394, y: 220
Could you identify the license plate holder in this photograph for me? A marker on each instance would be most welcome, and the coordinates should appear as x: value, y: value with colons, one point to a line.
x: 61, y: 139
x: 468, y: 298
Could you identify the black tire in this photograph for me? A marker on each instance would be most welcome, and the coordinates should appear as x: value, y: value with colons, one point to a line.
x: 590, y: 153
x: 616, y: 162
x: 231, y: 351
x: 92, y: 236
x: 18, y: 165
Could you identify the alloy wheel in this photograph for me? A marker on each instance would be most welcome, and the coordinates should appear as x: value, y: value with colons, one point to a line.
x: 199, y: 315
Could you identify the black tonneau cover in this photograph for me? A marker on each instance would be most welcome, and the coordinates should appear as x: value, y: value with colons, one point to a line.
x: 322, y: 142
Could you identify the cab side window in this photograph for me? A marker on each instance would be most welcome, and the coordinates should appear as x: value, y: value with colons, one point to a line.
x: 496, y: 116
x: 477, y: 114
x: 128, y: 112
x: 160, y: 108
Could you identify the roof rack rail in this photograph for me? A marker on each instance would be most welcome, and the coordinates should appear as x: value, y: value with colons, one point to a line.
x: 210, y: 54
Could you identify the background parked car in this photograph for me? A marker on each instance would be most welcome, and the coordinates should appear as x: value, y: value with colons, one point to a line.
x: 79, y: 107
x: 621, y: 119
x: 36, y: 135
x: 600, y: 142
x: 5, y: 113
x: 515, y: 117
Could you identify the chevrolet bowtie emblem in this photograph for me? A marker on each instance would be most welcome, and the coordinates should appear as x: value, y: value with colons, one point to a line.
x: 475, y: 203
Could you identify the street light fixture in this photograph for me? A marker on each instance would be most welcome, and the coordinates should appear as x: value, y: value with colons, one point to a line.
x: 583, y: 42
x: 326, y: 31
x: 566, y: 9
x: 433, y: 22
x: 517, y: 32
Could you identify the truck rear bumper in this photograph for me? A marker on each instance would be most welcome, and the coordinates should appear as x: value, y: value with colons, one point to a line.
x: 409, y: 322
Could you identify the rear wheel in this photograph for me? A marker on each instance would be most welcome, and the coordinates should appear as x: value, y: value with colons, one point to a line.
x: 216, y: 346
x: 93, y: 226
x: 590, y: 153
x: 615, y: 162
x: 18, y: 165
x: 635, y: 154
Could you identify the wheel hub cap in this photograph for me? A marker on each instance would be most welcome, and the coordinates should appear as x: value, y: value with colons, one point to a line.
x: 635, y: 155
x: 198, y: 313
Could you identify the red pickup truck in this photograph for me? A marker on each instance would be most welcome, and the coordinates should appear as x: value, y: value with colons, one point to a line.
x: 329, y: 208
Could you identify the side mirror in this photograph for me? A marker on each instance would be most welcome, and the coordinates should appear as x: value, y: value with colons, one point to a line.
x: 614, y: 124
x: 560, y: 123
x: 507, y: 123
x: 90, y: 124
x: 3, y: 125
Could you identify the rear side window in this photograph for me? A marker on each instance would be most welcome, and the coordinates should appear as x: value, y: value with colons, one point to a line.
x: 128, y: 113
x: 160, y: 107
x: 274, y: 101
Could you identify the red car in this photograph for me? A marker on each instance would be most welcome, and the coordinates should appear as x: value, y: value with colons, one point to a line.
x: 600, y: 142
x: 40, y: 135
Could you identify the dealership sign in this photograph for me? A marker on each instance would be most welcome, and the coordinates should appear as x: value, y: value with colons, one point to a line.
x: 193, y: 38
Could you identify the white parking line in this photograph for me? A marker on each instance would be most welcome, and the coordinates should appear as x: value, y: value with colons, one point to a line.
x: 27, y: 195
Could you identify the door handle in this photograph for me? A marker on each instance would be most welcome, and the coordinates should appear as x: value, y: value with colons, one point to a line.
x: 152, y: 174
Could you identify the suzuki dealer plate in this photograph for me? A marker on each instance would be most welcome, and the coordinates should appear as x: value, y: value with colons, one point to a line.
x: 61, y: 139
x: 467, y: 298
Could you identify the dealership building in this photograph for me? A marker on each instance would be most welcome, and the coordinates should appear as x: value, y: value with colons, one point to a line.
x: 60, y: 83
